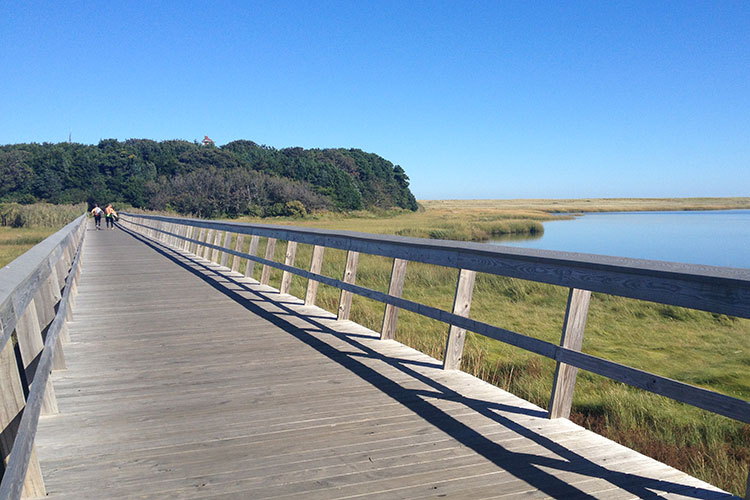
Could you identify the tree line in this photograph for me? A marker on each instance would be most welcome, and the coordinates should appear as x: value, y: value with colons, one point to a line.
x: 238, y: 178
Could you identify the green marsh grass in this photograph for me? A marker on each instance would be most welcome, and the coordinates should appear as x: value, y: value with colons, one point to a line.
x: 39, y: 214
x: 15, y: 241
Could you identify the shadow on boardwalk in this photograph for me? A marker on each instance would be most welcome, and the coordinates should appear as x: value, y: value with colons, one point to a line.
x: 528, y: 467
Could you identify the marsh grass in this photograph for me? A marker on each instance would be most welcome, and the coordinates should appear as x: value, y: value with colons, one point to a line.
x: 703, y: 349
x: 15, y: 241
x: 472, y: 225
x: 39, y: 215
x: 588, y: 205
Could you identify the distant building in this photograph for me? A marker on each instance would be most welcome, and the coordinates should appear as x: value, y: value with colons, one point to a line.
x: 207, y: 141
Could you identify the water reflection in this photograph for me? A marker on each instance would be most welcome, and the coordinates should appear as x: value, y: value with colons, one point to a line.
x: 718, y: 238
x: 505, y: 238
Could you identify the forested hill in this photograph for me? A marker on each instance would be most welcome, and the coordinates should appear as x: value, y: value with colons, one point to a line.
x: 238, y: 178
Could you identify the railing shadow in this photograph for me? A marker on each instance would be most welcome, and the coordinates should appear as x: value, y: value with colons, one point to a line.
x: 526, y: 466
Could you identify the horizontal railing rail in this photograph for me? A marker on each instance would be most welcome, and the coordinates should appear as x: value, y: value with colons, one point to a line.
x: 36, y: 292
x: 714, y: 289
x: 721, y: 290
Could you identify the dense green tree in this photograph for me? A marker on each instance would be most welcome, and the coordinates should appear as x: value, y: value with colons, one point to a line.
x: 240, y: 177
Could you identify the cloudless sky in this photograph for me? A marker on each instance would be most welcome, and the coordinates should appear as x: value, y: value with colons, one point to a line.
x: 498, y: 99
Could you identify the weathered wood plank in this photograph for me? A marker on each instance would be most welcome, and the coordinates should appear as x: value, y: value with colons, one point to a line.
x: 286, y: 276
x: 265, y: 276
x: 350, y: 277
x: 227, y: 244
x: 316, y: 263
x: 252, y: 252
x: 237, y: 248
x: 219, y: 237
x: 461, y: 306
x: 396, y: 287
x: 30, y: 346
x: 574, y: 325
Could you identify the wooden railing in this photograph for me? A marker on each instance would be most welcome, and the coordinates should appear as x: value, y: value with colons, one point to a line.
x: 36, y: 291
x: 705, y: 288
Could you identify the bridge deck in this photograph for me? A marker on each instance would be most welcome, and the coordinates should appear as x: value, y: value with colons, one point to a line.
x: 187, y: 381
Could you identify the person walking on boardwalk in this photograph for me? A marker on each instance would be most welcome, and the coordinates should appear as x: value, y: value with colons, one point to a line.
x: 111, y: 216
x: 97, y: 212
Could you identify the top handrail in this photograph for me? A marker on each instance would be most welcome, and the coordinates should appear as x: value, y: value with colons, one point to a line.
x: 21, y: 278
x: 722, y: 290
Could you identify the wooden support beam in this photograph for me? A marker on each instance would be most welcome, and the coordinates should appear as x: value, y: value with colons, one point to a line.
x: 316, y: 263
x: 265, y: 276
x: 286, y: 276
x: 206, y: 249
x: 350, y: 276
x: 45, y: 303
x: 237, y: 248
x: 454, y: 347
x: 250, y: 264
x: 572, y: 338
x: 217, y: 242
x: 390, y: 317
x: 227, y: 245
x: 30, y: 345
x: 189, y: 230
x: 201, y: 236
x: 13, y: 402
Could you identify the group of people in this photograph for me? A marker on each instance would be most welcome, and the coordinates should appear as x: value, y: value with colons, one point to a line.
x: 109, y: 214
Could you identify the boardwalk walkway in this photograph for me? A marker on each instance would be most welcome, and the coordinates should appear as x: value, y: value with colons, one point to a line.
x: 187, y: 381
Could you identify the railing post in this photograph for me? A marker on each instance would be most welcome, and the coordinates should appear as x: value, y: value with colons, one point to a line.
x: 168, y: 238
x: 316, y: 263
x: 350, y: 276
x: 215, y: 251
x: 390, y: 318
x: 747, y: 487
x: 58, y: 361
x: 206, y: 249
x: 286, y: 276
x: 265, y: 275
x: 12, y: 405
x: 30, y: 345
x: 227, y: 245
x: 237, y: 248
x: 454, y: 347
x: 572, y: 338
x: 197, y: 246
x: 186, y: 245
x: 47, y: 297
x: 250, y: 265
x: 181, y: 233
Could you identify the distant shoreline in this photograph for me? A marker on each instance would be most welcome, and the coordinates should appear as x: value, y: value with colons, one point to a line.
x: 592, y: 205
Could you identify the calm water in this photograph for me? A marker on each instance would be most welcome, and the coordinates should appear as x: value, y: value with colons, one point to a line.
x: 717, y: 238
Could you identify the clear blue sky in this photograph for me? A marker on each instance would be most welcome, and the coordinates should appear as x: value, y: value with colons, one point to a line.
x: 500, y: 99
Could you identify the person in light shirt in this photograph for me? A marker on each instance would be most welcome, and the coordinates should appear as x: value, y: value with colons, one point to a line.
x: 97, y: 212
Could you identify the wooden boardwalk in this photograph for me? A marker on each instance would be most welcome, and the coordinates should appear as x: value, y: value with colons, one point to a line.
x: 185, y: 380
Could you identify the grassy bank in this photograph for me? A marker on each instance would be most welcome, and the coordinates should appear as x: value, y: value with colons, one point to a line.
x: 38, y: 215
x: 23, y: 226
x: 15, y: 241
x: 470, y: 225
x: 589, y: 205
x: 695, y: 347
